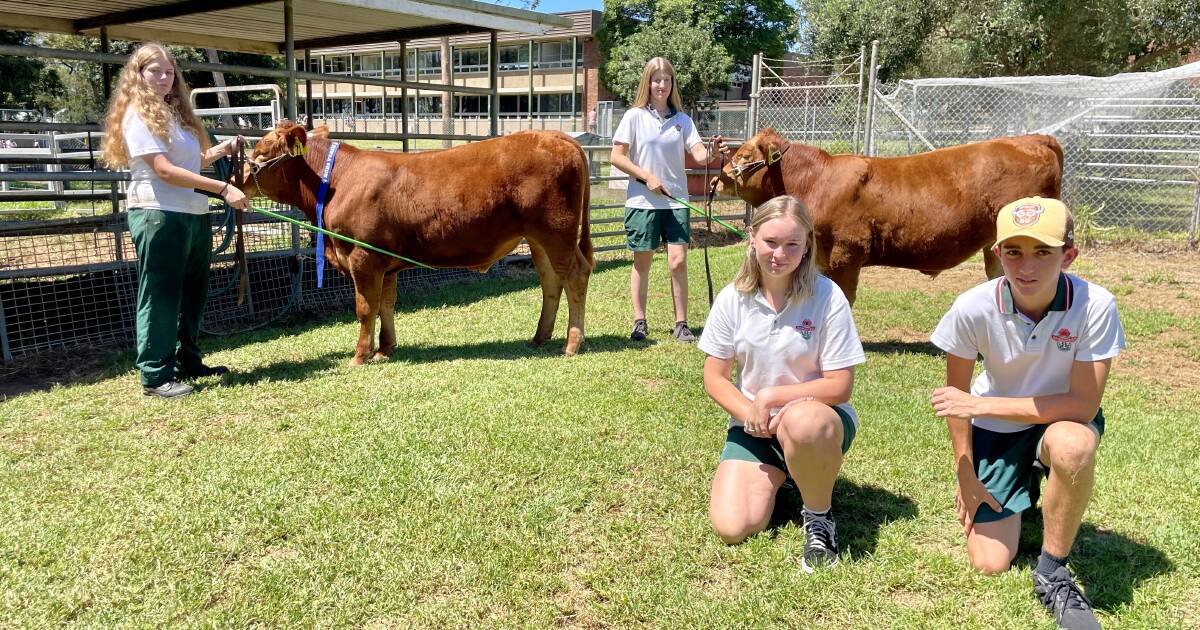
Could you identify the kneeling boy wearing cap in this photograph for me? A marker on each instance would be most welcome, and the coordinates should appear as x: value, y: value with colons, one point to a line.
x: 1047, y: 340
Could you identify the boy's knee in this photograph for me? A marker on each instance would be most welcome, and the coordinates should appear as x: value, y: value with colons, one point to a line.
x: 733, y: 531
x: 1070, y: 446
x: 990, y: 563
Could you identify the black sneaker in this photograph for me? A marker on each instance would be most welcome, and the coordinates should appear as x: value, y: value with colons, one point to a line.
x: 683, y: 333
x: 200, y: 371
x: 820, y: 541
x: 639, y: 330
x: 170, y: 389
x: 1061, y: 596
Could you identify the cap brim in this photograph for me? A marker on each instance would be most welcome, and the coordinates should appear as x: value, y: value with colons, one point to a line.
x: 1041, y: 238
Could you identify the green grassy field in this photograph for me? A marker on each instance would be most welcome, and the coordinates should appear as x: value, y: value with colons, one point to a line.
x: 472, y: 480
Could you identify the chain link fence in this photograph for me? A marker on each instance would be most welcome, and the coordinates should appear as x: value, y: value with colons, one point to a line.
x: 819, y: 103
x: 1131, y: 142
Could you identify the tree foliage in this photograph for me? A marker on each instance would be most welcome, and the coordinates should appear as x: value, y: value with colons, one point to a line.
x: 700, y: 63
x: 742, y: 27
x: 28, y: 83
x: 1005, y: 37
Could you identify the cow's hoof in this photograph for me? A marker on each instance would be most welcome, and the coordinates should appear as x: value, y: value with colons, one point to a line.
x: 356, y: 362
x: 378, y: 356
x: 537, y: 343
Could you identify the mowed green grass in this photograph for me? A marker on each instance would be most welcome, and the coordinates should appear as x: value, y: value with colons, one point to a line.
x: 474, y: 481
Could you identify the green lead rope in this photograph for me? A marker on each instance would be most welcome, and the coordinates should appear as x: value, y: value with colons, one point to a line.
x: 699, y: 211
x: 308, y: 226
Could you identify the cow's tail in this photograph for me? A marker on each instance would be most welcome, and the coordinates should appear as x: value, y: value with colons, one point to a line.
x: 585, y: 213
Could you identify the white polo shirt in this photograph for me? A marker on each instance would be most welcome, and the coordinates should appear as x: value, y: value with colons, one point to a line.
x: 783, y: 348
x: 1022, y: 358
x: 657, y: 144
x: 146, y: 190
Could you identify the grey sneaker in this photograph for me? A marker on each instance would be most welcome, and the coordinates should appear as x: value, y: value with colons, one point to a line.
x: 1060, y: 594
x: 683, y: 333
x: 639, y: 330
x: 820, y: 541
x: 170, y: 389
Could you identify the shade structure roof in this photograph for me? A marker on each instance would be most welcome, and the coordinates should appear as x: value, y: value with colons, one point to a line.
x: 258, y: 25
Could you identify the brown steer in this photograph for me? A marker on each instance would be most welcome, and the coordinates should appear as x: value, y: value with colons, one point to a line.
x: 461, y: 207
x: 928, y: 212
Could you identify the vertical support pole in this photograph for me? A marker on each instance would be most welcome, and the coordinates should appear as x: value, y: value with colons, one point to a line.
x: 862, y: 79
x: 353, y: 97
x: 1194, y: 230
x: 383, y: 102
x: 531, y: 84
x: 755, y: 87
x: 869, y: 132
x: 574, y: 81
x: 324, y: 95
x: 404, y: 96
x: 7, y: 353
x: 308, y: 108
x: 417, y: 96
x: 106, y: 68
x: 289, y: 56
x: 494, y: 83
x: 57, y: 187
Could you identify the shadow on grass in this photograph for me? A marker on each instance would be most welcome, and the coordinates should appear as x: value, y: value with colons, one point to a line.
x: 1110, y: 565
x: 860, y: 512
x: 499, y: 350
x: 903, y: 347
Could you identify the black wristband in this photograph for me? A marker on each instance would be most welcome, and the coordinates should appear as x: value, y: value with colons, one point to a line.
x: 223, y: 189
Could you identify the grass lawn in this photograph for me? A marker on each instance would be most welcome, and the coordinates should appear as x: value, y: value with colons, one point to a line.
x: 474, y: 481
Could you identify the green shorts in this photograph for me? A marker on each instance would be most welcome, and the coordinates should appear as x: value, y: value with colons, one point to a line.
x: 1008, y: 466
x: 645, y: 229
x: 744, y: 447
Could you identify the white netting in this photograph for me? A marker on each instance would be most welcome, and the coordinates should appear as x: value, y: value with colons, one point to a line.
x: 1131, y: 142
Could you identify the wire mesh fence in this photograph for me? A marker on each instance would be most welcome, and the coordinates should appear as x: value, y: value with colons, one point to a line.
x: 1131, y: 142
x: 817, y: 102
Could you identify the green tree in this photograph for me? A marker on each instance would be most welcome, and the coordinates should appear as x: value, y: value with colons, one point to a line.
x: 701, y: 64
x: 743, y: 27
x: 1005, y: 37
x: 27, y: 84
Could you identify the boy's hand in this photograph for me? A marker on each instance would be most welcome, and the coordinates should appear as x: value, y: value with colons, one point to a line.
x: 970, y: 493
x: 952, y: 401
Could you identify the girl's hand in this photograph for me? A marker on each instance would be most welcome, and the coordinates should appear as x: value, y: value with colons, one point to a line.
x: 719, y: 146
x: 655, y: 185
x: 235, y: 197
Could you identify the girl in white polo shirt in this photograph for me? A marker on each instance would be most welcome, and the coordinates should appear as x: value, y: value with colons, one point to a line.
x: 793, y: 338
x: 649, y: 144
x: 151, y: 128
x: 1047, y: 340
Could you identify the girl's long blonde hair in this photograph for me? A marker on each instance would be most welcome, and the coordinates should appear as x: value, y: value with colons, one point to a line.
x: 642, y: 98
x: 158, y: 113
x: 804, y: 278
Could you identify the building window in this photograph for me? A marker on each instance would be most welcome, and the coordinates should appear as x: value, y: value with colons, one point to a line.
x: 391, y: 64
x: 368, y: 65
x: 471, y: 60
x: 429, y: 61
x: 557, y: 54
x: 337, y: 64
x: 470, y: 105
x: 514, y: 57
x: 425, y: 107
x: 554, y: 105
x: 514, y: 105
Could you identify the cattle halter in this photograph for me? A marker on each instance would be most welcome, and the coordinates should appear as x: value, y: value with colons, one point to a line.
x: 744, y: 170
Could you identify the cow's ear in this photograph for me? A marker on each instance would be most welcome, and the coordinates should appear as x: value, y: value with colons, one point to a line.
x: 296, y: 139
x: 319, y: 132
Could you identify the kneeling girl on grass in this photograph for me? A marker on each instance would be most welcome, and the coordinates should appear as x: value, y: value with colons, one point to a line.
x: 793, y: 338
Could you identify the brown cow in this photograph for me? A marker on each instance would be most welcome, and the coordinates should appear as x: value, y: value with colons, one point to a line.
x: 928, y: 212
x: 461, y: 207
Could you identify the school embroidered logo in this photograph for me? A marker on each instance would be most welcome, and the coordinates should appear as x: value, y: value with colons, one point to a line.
x: 1027, y: 214
x: 679, y: 128
x: 806, y: 328
x: 1064, y: 339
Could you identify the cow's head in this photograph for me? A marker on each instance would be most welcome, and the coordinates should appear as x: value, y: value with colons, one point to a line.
x: 754, y: 172
x: 267, y: 167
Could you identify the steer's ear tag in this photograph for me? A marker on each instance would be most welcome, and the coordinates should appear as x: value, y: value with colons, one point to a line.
x: 298, y: 148
x: 773, y: 155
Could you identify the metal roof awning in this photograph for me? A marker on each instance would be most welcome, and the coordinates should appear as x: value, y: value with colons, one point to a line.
x: 257, y: 26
